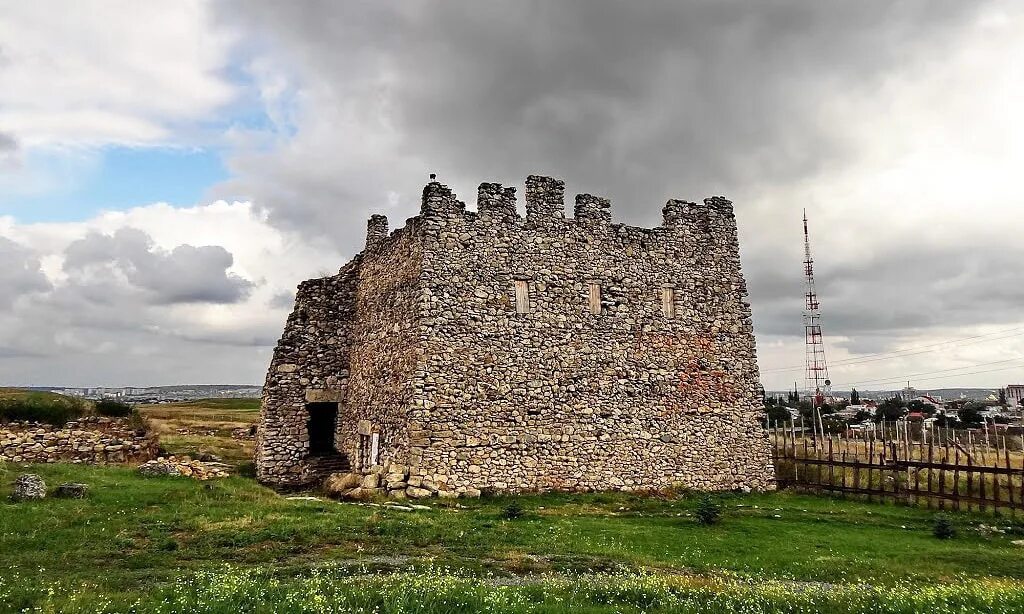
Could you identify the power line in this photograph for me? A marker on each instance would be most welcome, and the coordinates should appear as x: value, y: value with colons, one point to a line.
x: 913, y: 351
x: 948, y: 375
x: 918, y: 375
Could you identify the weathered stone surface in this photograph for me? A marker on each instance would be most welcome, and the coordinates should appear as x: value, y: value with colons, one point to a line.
x: 417, y: 493
x: 481, y: 350
x: 157, y: 467
x: 338, y: 483
x: 184, y: 466
x: 72, y: 490
x: 94, y: 440
x: 28, y: 486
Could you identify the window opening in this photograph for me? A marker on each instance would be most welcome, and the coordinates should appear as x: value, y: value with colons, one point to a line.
x: 522, y: 296
x: 595, y: 299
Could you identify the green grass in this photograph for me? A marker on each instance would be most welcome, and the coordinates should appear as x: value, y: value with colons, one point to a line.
x: 25, y: 405
x: 32, y: 395
x: 136, y: 534
x: 223, y: 403
x: 324, y: 589
x: 205, y: 426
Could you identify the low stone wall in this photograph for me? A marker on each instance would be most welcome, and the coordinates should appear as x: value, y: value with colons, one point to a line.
x: 93, y: 440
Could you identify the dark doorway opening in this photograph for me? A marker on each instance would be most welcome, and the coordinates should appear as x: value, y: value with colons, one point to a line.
x: 323, y: 418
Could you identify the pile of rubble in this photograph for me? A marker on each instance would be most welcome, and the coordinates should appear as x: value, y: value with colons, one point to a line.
x: 391, y: 480
x: 244, y: 433
x: 184, y: 466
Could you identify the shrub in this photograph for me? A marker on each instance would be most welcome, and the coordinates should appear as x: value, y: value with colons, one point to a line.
x: 138, y: 422
x: 246, y: 470
x: 113, y: 408
x: 49, y: 410
x: 708, y: 511
x: 512, y: 511
x: 942, y: 527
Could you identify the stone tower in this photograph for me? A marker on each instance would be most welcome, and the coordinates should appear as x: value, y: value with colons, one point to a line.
x: 483, y: 350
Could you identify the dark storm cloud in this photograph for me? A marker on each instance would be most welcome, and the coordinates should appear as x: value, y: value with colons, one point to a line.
x: 764, y: 102
x: 903, y: 288
x: 638, y: 101
x: 20, y: 273
x: 186, y: 274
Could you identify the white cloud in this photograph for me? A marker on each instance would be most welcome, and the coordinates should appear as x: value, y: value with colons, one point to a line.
x: 197, y: 292
x: 108, y: 72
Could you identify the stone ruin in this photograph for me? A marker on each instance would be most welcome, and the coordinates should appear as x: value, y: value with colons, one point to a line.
x: 482, y: 350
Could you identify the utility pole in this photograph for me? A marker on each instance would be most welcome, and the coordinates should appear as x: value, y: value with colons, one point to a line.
x: 819, y: 386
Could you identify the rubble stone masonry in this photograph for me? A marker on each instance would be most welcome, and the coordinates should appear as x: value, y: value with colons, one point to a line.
x: 482, y: 350
x: 92, y: 440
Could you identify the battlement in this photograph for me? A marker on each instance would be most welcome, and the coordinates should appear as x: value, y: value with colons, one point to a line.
x: 592, y: 210
x: 544, y: 198
x: 495, y: 202
x: 376, y: 229
x: 545, y: 207
x: 440, y: 201
x: 686, y: 227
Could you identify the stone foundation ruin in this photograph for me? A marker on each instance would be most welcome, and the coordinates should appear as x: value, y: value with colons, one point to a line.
x: 483, y: 350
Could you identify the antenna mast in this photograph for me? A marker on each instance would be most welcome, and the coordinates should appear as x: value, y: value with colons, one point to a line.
x: 819, y: 386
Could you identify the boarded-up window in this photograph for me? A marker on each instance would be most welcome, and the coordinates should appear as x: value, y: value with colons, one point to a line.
x: 522, y: 296
x: 374, y: 448
x: 595, y: 299
x: 668, y: 302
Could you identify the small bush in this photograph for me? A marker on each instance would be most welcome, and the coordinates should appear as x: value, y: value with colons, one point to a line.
x: 512, y: 511
x: 708, y: 511
x: 112, y: 408
x: 138, y: 422
x: 56, y: 411
x: 942, y: 527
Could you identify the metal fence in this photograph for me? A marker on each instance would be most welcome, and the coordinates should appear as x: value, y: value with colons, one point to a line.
x: 944, y: 468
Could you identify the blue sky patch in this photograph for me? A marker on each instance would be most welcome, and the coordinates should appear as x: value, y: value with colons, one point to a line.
x: 71, y: 187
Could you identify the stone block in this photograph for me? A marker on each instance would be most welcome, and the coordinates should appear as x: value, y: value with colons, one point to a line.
x: 72, y: 490
x: 417, y: 493
x: 28, y: 486
x: 338, y: 483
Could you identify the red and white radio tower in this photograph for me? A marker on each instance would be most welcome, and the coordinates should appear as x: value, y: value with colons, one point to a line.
x: 819, y: 387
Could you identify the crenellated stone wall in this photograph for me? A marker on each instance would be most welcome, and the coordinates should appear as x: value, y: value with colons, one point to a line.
x: 627, y: 361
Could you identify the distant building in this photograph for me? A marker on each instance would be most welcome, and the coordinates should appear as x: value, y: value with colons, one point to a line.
x: 909, y: 393
x: 928, y: 399
x: 1015, y: 395
x: 851, y: 411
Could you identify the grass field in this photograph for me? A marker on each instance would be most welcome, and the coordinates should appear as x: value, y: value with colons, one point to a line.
x: 205, y: 426
x: 148, y: 538
x: 21, y: 393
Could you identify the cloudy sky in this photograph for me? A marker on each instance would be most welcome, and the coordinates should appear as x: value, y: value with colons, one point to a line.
x: 170, y: 171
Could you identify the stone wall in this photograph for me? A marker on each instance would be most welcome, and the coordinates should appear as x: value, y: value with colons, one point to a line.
x: 310, y: 363
x: 632, y: 366
x: 635, y: 397
x: 89, y: 440
x: 385, y: 352
x: 351, y: 339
